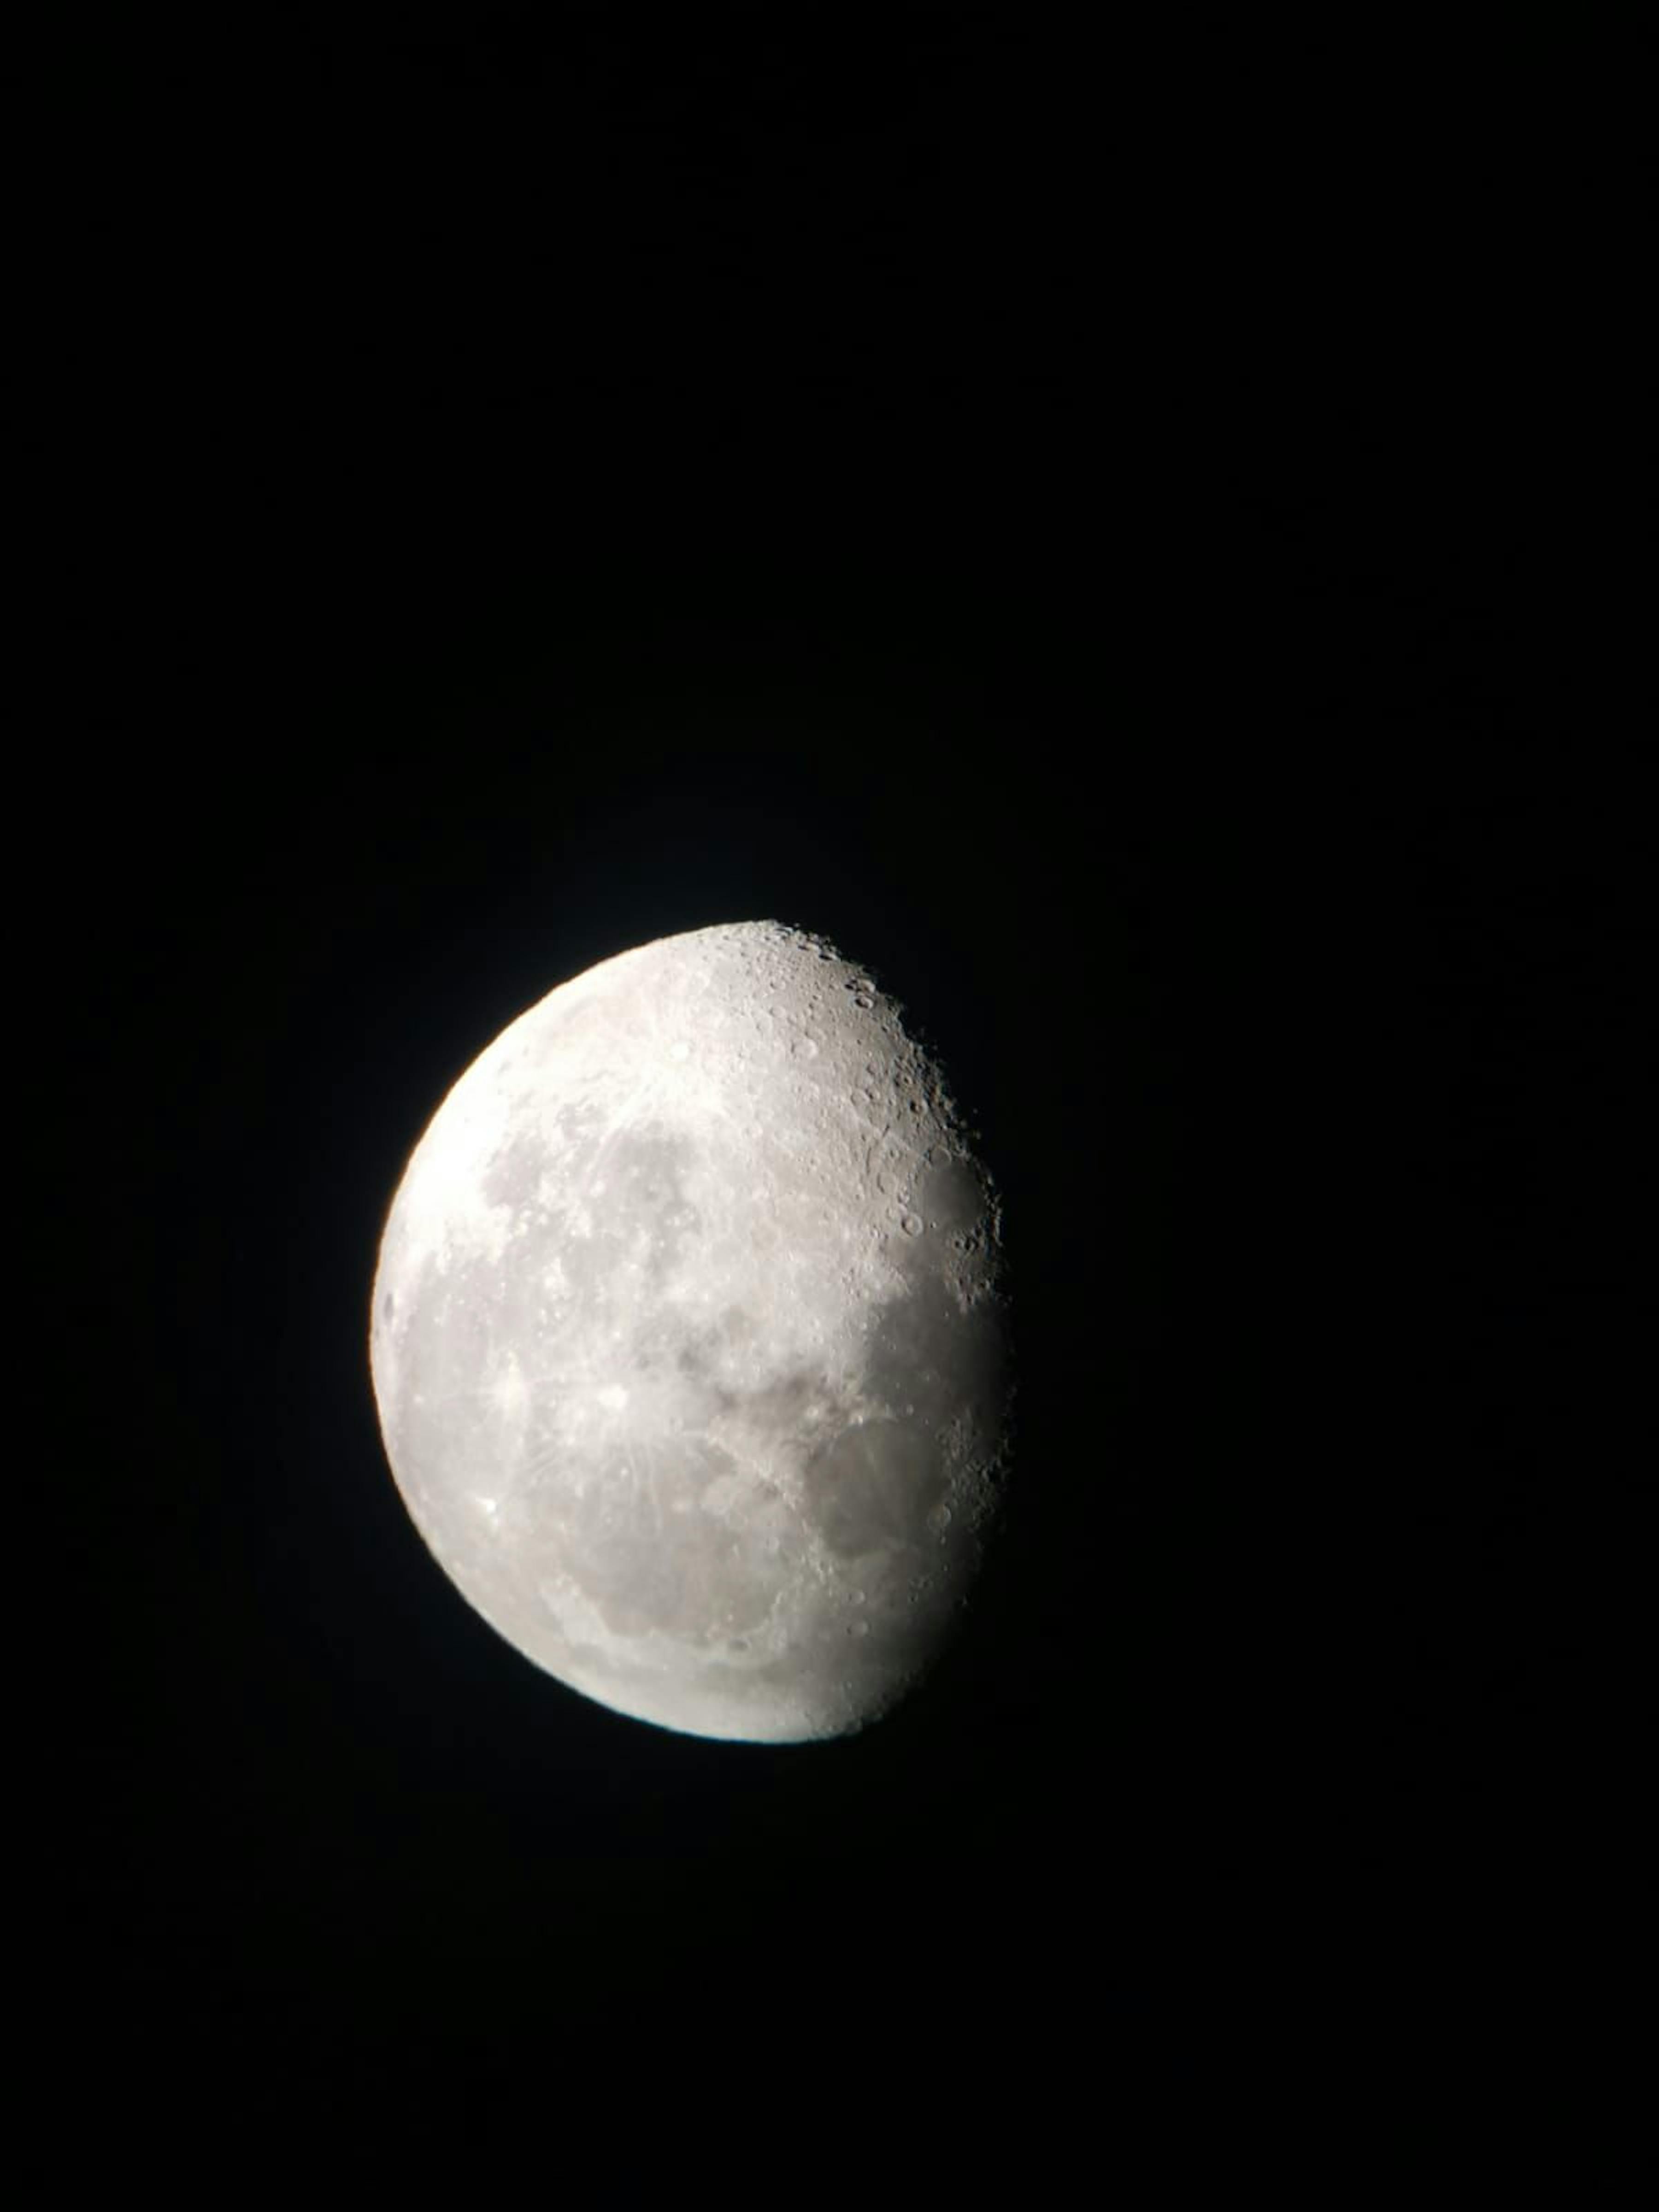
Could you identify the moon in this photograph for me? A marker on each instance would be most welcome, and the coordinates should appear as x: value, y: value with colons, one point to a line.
x: 688, y: 1338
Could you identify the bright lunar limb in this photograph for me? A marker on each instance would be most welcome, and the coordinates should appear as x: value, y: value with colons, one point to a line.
x: 688, y: 1340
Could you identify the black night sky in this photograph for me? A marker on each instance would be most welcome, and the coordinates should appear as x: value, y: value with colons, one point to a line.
x: 1102, y: 551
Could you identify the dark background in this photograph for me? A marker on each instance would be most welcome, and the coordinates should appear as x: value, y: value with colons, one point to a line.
x: 1126, y: 542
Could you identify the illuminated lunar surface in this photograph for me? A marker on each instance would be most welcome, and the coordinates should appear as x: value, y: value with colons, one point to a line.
x: 687, y: 1340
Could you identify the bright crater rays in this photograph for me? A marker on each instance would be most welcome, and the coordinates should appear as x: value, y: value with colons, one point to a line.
x: 688, y: 1343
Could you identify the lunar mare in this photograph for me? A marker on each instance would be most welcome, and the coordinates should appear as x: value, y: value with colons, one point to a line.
x: 687, y: 1339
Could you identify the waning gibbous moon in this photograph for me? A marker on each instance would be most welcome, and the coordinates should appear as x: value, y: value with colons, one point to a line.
x: 687, y: 1339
